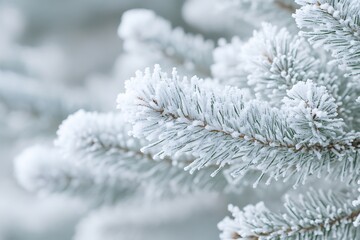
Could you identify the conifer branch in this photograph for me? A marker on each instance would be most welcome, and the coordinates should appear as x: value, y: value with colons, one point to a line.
x: 102, y: 140
x: 317, y: 215
x: 219, y: 127
x: 276, y: 60
x: 335, y: 25
x: 313, y: 113
x: 273, y: 61
x: 345, y: 91
x: 283, y: 112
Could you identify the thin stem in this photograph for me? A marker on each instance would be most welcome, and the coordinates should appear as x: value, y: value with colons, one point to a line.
x: 332, y: 146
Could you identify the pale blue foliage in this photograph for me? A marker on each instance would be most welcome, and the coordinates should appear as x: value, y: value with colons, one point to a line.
x: 313, y: 113
x: 316, y: 215
x: 275, y: 61
x: 335, y: 25
x: 283, y: 111
x: 221, y: 128
x: 102, y: 140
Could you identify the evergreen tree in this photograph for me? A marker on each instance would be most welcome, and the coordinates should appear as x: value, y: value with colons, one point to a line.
x: 277, y: 112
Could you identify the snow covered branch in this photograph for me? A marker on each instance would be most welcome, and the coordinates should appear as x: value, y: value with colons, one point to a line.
x: 335, y: 25
x: 317, y: 215
x: 345, y: 91
x: 280, y: 107
x: 270, y: 62
x: 221, y: 128
x: 102, y: 140
x: 273, y: 61
x: 313, y: 113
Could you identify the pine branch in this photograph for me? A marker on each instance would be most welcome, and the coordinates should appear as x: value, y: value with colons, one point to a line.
x: 335, y: 25
x: 142, y: 29
x: 42, y: 170
x: 273, y: 61
x: 313, y: 113
x: 172, y: 109
x: 317, y: 215
x: 220, y: 128
x: 103, y: 140
x: 345, y: 91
